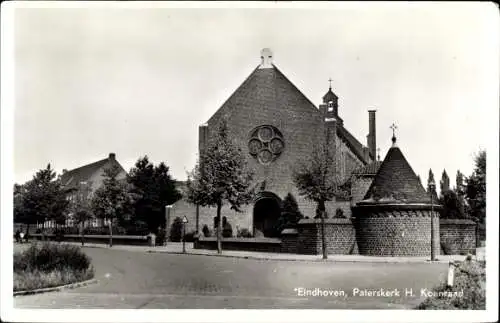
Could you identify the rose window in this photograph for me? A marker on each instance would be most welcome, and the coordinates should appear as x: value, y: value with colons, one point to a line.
x: 266, y: 144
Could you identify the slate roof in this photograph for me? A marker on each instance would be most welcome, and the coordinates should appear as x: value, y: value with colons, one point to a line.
x: 72, y: 178
x: 396, y: 182
x: 329, y: 96
x: 351, y: 142
x: 370, y: 169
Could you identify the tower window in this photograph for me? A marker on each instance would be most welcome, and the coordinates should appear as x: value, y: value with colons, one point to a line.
x: 330, y: 106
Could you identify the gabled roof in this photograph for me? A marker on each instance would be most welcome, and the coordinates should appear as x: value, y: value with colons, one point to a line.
x: 351, y: 142
x: 395, y: 182
x: 263, y: 83
x: 368, y: 170
x: 72, y: 178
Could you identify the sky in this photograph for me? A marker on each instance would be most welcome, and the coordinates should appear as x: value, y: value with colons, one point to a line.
x: 137, y: 80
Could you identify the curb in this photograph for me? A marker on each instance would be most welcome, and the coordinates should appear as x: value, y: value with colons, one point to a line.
x: 56, y: 289
x: 388, y: 261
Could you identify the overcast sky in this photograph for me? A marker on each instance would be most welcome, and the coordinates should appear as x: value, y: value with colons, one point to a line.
x: 91, y: 81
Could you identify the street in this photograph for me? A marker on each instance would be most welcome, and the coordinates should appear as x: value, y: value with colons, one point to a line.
x: 133, y: 280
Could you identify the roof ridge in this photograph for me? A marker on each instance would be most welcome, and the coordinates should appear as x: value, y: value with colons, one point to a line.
x: 87, y: 165
x: 296, y: 88
x: 357, y: 150
x: 233, y: 93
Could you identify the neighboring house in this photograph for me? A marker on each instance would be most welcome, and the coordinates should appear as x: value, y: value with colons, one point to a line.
x: 276, y: 126
x: 90, y: 175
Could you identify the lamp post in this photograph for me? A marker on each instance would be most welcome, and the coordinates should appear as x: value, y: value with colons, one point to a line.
x: 167, y: 221
x: 432, y: 186
x: 184, y: 221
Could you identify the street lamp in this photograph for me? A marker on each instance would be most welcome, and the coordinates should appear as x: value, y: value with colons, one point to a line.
x: 184, y: 221
x: 432, y: 186
x: 167, y: 221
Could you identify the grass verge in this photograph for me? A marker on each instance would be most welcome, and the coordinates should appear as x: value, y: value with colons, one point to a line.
x: 467, y: 293
x: 44, y: 265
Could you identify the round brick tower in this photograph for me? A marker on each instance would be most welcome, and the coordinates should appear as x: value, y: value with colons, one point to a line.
x: 394, y: 218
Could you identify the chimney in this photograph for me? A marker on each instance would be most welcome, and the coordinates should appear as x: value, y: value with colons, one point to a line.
x: 372, y: 136
x: 112, y: 156
x: 266, y: 58
x: 202, y: 138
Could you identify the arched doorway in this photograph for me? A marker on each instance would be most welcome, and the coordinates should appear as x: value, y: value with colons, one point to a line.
x: 266, y: 212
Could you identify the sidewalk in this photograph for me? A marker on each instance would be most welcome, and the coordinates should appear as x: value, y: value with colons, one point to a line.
x: 176, y: 248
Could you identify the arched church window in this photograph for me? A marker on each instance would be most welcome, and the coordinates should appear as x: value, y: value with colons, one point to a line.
x: 266, y: 144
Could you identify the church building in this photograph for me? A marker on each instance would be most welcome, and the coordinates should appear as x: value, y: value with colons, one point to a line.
x: 276, y: 126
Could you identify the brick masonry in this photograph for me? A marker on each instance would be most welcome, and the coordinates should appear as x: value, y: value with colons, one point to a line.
x: 243, y: 244
x: 267, y: 97
x: 457, y: 236
x: 396, y: 233
x: 339, y: 237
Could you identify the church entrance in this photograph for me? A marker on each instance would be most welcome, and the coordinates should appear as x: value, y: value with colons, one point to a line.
x: 266, y: 212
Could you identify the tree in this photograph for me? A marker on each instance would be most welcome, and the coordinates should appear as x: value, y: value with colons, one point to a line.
x: 453, y: 205
x: 290, y: 214
x: 19, y: 212
x: 460, y: 186
x: 154, y: 188
x: 476, y: 192
x: 43, y: 198
x: 317, y: 180
x: 112, y: 201
x: 220, y: 176
x: 445, y: 182
x: 80, y: 207
x: 431, y: 181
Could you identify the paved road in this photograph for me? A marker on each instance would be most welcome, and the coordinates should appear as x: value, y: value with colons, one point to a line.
x: 129, y: 279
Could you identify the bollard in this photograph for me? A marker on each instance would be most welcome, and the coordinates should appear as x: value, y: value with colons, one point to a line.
x: 451, y: 274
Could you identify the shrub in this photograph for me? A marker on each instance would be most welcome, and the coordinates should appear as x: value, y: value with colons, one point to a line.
x: 176, y: 230
x: 47, y: 264
x: 470, y: 277
x: 189, y: 237
x: 47, y: 257
x: 227, y: 231
x: 244, y: 233
x: 290, y: 214
x: 59, y: 233
x: 104, y: 230
x: 139, y: 228
x: 206, y: 231
x: 160, y: 237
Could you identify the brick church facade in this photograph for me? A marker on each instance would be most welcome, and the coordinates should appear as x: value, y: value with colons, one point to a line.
x: 276, y: 127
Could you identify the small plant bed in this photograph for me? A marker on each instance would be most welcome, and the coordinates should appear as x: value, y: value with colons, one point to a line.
x: 467, y: 293
x: 44, y: 265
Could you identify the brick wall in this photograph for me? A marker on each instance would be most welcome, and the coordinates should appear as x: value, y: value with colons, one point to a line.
x: 289, y: 241
x: 457, y: 236
x: 242, y: 244
x: 206, y: 216
x: 339, y: 236
x: 396, y: 233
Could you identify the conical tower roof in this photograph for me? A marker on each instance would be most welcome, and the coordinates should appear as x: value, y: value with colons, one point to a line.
x: 396, y: 182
